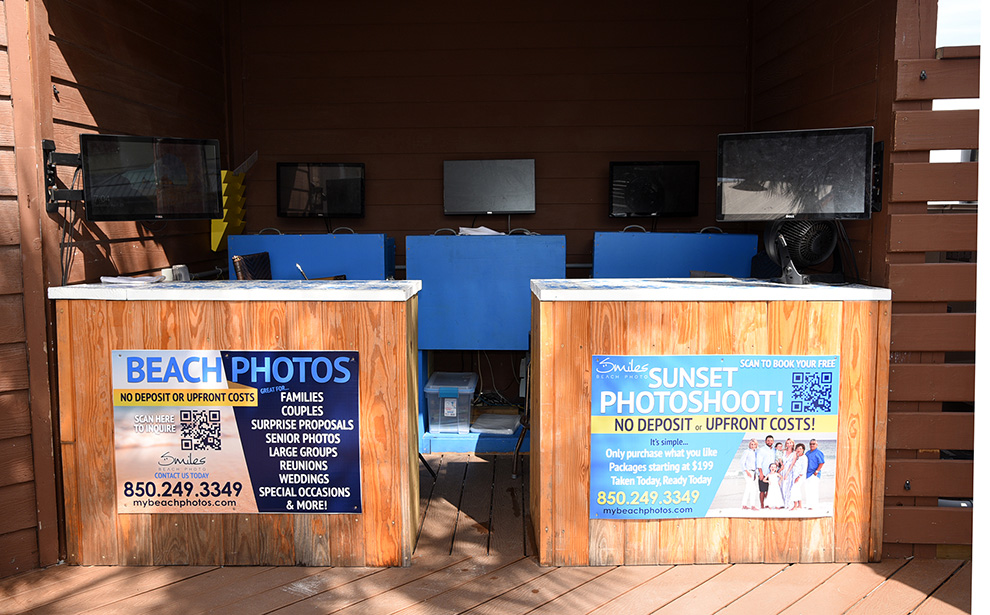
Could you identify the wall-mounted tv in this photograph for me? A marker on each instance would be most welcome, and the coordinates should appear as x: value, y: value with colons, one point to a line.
x: 479, y: 187
x: 150, y: 178
x: 653, y: 189
x: 799, y: 174
x: 320, y: 189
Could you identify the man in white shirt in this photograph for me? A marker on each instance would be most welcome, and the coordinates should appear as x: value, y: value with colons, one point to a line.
x: 763, y: 461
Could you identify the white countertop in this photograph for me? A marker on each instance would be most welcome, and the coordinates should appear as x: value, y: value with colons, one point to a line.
x: 245, y: 290
x: 698, y: 289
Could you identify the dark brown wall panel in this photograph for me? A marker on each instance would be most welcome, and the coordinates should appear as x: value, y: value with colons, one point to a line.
x: 146, y: 69
x: 403, y: 90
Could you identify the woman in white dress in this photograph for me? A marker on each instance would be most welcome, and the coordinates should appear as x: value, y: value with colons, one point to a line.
x: 798, y: 473
x: 786, y: 469
x: 751, y: 492
x: 775, y: 498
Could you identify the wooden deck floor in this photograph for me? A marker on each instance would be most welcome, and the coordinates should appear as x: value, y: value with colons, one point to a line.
x: 474, y: 556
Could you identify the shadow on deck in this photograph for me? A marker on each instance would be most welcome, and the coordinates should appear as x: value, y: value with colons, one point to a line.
x: 475, y: 555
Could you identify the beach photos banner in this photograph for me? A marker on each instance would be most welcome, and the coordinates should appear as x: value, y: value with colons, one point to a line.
x: 208, y: 431
x: 669, y: 434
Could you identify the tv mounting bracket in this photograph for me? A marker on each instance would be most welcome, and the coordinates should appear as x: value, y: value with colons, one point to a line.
x: 53, y: 159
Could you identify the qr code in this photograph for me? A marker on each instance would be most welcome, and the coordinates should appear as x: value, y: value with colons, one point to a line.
x: 199, y: 430
x: 811, y: 391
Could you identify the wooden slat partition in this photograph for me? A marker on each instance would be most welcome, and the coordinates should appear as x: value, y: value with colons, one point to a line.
x: 933, y: 282
x: 927, y: 232
x: 928, y: 130
x: 934, y: 332
x: 930, y: 430
x: 957, y: 78
x: 942, y: 526
x: 382, y: 535
x: 923, y: 181
x: 569, y: 333
x: 929, y: 478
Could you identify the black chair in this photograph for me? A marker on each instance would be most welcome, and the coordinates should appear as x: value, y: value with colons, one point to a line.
x: 255, y: 266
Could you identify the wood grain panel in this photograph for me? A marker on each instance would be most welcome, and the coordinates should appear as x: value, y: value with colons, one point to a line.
x: 926, y: 181
x: 825, y: 335
x: 381, y: 429
x: 13, y: 367
x: 644, y: 324
x: 11, y: 318
x: 16, y: 461
x: 929, y: 478
x: 932, y: 382
x: 956, y: 78
x: 94, y: 432
x: 20, y: 509
x: 680, y: 335
x: 10, y: 267
x: 6, y: 123
x: 880, y: 408
x: 571, y: 436
x: 10, y: 227
x: 937, y: 282
x: 953, y: 332
x: 21, y: 551
x: 930, y: 430
x: 857, y: 394
x: 928, y: 525
x: 789, y: 330
x: 928, y: 130
x: 312, y: 532
x: 717, y: 335
x: 609, y: 330
x: 15, y: 415
x: 932, y: 232
x: 543, y: 426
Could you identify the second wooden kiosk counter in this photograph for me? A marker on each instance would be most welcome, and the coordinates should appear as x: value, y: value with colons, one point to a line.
x: 576, y: 320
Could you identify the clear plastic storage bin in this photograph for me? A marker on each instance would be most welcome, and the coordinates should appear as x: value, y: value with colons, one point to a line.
x: 448, y: 398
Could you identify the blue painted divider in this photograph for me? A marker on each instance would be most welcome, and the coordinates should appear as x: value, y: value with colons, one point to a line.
x: 672, y: 255
x: 476, y: 296
x: 476, y: 292
x: 357, y: 256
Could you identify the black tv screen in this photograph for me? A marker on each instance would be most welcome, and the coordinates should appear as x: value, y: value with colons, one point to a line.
x: 653, y: 189
x: 482, y: 187
x: 320, y: 189
x: 150, y: 178
x: 800, y: 174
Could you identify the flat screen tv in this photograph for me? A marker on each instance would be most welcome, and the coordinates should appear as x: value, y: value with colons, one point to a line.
x: 320, y: 189
x: 150, y: 178
x: 800, y: 174
x: 480, y: 187
x: 653, y: 189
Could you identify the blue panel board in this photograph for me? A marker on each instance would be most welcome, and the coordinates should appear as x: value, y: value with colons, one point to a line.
x: 357, y: 256
x: 672, y: 255
x: 476, y: 292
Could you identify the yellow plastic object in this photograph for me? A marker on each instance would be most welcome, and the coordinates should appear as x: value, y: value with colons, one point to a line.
x: 232, y: 222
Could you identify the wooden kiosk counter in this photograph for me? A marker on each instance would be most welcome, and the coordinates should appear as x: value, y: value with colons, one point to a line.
x: 255, y: 423
x: 648, y: 393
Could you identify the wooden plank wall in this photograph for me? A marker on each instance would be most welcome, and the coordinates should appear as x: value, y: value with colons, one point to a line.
x: 816, y: 65
x: 383, y: 535
x: 863, y: 68
x: 21, y: 491
x: 931, y: 256
x: 573, y: 85
x: 570, y: 333
x: 145, y: 68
